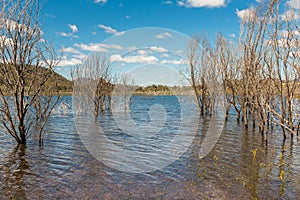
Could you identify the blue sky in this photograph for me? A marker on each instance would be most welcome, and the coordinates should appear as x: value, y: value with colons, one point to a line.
x: 78, y: 27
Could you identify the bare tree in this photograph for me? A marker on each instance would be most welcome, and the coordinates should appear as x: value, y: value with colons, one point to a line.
x: 228, y: 63
x: 26, y: 65
x: 201, y: 69
x: 283, y: 61
x: 93, y: 79
x: 124, y: 87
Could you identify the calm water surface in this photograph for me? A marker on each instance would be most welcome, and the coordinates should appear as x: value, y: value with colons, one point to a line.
x: 238, y: 167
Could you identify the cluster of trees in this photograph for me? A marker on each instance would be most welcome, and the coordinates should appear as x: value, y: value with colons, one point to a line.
x: 95, y: 86
x: 27, y: 61
x: 259, y: 73
x: 153, y: 89
x: 92, y: 80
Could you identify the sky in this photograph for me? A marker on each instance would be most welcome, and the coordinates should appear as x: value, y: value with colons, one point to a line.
x: 134, y: 33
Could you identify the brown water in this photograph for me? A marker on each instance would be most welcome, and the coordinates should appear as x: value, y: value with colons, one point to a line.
x: 239, y: 167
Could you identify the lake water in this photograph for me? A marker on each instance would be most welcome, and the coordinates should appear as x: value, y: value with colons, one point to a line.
x: 238, y: 167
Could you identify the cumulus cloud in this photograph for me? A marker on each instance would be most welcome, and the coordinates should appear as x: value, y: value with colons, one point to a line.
x: 202, y: 3
x: 110, y: 30
x: 290, y: 15
x: 131, y: 48
x: 68, y: 35
x: 80, y: 56
x: 91, y: 47
x: 64, y: 61
x: 134, y: 59
x: 158, y: 49
x: 100, y: 1
x: 231, y: 35
x: 73, y: 28
x: 69, y: 50
x: 164, y: 35
x: 247, y: 14
x: 175, y: 62
x: 167, y: 2
x: 98, y: 47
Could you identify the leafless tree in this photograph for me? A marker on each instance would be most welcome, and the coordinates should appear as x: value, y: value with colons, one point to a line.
x: 259, y: 72
x: 283, y: 59
x: 201, y: 69
x: 92, y: 79
x: 124, y: 88
x: 26, y: 64
x: 228, y: 63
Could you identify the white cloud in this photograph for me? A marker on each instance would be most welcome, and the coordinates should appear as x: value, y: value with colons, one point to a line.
x: 68, y: 35
x: 180, y: 3
x: 69, y: 62
x: 100, y: 1
x: 290, y: 15
x: 164, y: 35
x: 165, y: 55
x: 73, y: 28
x: 132, y: 48
x: 13, y: 25
x: 142, y: 52
x: 231, y: 35
x: 80, y: 56
x: 158, y: 49
x: 167, y: 2
x: 247, y: 14
x: 175, y: 62
x: 98, y: 47
x: 180, y: 52
x: 134, y: 59
x: 202, y: 3
x: 110, y: 30
x: 69, y: 50
x: 127, y: 17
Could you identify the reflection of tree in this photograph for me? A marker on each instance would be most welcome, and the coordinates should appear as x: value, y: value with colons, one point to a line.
x: 249, y: 166
x: 15, y: 169
x: 285, y: 164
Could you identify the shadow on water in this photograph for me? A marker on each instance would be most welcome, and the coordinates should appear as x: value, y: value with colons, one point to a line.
x: 239, y: 166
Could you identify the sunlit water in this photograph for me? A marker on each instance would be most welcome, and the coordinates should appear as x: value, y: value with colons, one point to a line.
x: 238, y: 167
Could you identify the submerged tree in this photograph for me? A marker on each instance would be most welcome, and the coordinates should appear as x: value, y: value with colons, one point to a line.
x: 26, y: 65
x: 92, y: 79
x: 259, y: 71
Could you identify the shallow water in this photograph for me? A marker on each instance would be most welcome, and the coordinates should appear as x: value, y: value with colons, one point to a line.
x: 238, y: 167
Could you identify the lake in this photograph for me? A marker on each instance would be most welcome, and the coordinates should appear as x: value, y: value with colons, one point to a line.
x: 238, y: 167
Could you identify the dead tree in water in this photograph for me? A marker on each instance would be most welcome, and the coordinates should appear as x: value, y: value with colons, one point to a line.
x: 202, y: 73
x: 27, y: 61
x: 260, y: 72
x: 94, y: 81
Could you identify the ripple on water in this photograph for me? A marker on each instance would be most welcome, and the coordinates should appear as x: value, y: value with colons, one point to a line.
x: 64, y: 169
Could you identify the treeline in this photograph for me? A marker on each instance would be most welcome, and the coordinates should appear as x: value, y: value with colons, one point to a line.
x: 259, y: 73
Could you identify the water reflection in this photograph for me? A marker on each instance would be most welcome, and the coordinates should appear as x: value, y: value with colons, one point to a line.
x: 240, y: 166
x: 14, y: 168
